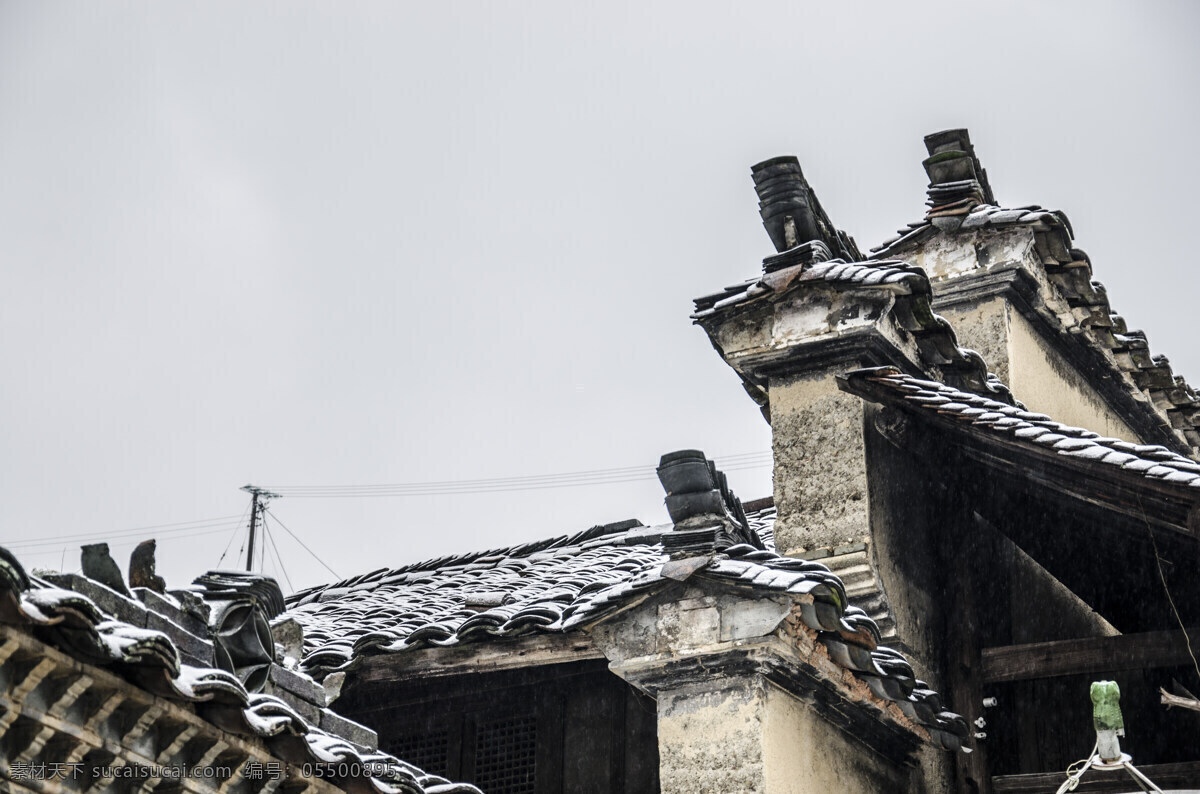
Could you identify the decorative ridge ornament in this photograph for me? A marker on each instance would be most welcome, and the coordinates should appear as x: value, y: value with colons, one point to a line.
x: 791, y: 213
x: 706, y: 514
x: 957, y: 181
x: 242, y: 606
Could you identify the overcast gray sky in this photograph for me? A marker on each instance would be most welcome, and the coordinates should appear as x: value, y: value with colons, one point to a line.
x: 350, y: 243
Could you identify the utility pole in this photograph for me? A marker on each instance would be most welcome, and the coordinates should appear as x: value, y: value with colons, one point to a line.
x: 260, y: 498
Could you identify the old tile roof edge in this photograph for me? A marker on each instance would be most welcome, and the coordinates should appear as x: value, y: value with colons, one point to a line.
x: 310, y: 594
x: 847, y: 632
x: 851, y: 636
x: 852, y: 563
x: 72, y: 623
x: 913, y: 310
x: 888, y: 385
x: 1069, y: 271
x: 337, y: 636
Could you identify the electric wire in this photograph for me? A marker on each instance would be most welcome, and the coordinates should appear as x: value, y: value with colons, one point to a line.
x: 237, y: 533
x: 506, y: 484
x: 240, y: 524
x: 727, y: 460
x: 183, y: 527
x: 296, y: 538
x: 130, y: 543
x: 1162, y: 576
x: 266, y: 559
x: 278, y: 556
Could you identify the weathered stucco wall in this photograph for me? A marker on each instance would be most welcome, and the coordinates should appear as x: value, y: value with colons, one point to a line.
x: 749, y: 736
x: 984, y: 329
x: 1033, y: 369
x: 820, y: 469
x: 804, y: 754
x: 710, y: 740
x: 905, y: 523
x: 946, y: 257
x: 1046, y: 383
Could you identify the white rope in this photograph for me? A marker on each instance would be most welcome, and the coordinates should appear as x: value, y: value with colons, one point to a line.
x: 1140, y: 778
x: 1075, y: 773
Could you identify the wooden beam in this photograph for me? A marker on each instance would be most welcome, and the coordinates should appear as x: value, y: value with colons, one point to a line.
x: 488, y: 655
x: 1091, y: 655
x: 1169, y: 776
x: 963, y: 658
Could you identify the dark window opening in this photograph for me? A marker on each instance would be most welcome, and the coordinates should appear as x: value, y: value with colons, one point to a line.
x: 505, y: 756
x: 572, y: 727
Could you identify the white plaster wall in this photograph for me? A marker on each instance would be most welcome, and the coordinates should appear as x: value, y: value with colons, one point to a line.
x: 804, y: 754
x: 1045, y: 383
x: 751, y: 737
x: 1036, y: 373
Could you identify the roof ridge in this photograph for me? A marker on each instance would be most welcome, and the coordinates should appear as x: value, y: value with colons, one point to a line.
x: 569, y: 592
x: 467, y: 558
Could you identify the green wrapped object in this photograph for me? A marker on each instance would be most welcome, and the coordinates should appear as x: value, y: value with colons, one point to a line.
x: 1106, y: 707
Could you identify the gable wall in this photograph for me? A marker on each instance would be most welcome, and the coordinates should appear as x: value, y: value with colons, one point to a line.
x: 802, y: 754
x: 1033, y: 369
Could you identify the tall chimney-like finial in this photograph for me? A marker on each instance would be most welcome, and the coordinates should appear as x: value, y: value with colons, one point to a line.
x: 957, y: 181
x: 793, y: 217
x: 706, y: 514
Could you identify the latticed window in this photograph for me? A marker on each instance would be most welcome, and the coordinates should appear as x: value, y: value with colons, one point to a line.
x: 430, y: 750
x: 573, y: 728
x: 505, y: 751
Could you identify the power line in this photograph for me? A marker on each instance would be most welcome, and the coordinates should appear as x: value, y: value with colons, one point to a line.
x: 128, y: 543
x: 132, y: 530
x: 278, y: 556
x: 237, y: 533
x: 233, y: 536
x: 729, y: 459
x: 506, y: 484
x: 72, y: 540
x: 306, y: 548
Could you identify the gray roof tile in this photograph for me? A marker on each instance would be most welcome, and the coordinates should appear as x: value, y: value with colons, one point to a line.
x: 935, y: 337
x: 151, y: 659
x: 1070, y: 272
x: 889, y: 384
x: 561, y: 586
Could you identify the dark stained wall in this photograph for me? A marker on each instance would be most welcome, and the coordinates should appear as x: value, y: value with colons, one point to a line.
x: 974, y: 556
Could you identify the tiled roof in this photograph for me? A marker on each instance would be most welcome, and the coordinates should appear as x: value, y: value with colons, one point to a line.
x: 1069, y: 270
x: 851, y: 562
x: 1152, y: 462
x: 534, y: 587
x: 570, y: 582
x: 933, y: 334
x: 74, y: 624
x: 984, y: 216
x: 851, y: 637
